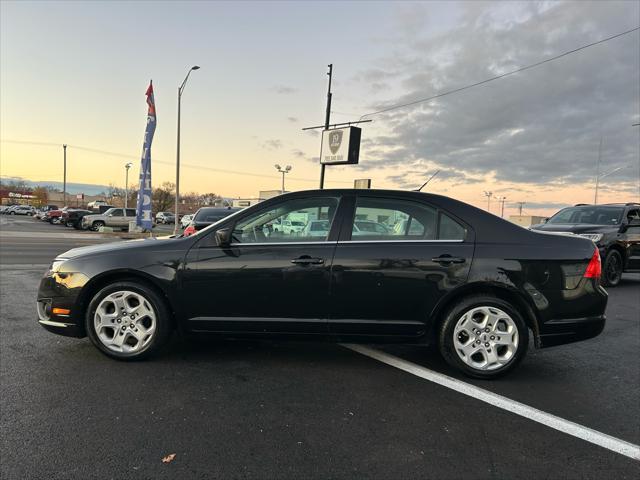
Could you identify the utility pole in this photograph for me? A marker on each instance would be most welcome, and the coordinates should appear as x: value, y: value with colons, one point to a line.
x: 488, y: 195
x: 595, y: 198
x: 64, y: 175
x: 520, y: 205
x: 327, y: 119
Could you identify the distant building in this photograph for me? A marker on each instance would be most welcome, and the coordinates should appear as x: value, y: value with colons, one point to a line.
x: 267, y: 194
x: 526, y: 220
x: 245, y: 202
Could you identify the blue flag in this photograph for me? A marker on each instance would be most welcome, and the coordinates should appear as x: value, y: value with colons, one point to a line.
x: 143, y: 206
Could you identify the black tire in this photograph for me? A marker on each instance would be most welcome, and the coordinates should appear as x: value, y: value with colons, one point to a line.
x: 164, y: 324
x: 455, y: 313
x: 12, y: 213
x: 612, y: 269
x: 95, y: 226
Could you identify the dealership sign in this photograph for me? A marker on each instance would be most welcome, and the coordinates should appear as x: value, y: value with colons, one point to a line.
x: 340, y: 146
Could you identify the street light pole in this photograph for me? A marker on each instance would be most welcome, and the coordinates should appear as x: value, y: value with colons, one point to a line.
x: 64, y: 175
x: 502, y: 199
x: 283, y: 171
x: 488, y: 195
x: 126, y: 184
x: 180, y: 90
x: 595, y: 198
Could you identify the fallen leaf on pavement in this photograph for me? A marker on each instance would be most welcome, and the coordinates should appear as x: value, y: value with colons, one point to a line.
x: 168, y: 458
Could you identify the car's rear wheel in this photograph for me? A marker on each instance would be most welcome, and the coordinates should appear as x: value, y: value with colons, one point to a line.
x: 95, y: 226
x: 612, y: 269
x: 483, y: 336
x: 128, y: 321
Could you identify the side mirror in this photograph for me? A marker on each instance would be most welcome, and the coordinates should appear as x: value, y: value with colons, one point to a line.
x: 223, y: 237
x: 545, y: 220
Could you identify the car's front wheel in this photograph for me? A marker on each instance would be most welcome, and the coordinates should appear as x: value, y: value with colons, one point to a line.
x: 483, y: 336
x: 612, y: 269
x: 95, y: 226
x: 128, y: 321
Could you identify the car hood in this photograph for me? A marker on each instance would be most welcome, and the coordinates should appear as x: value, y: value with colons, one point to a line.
x: 577, y: 229
x: 91, y: 250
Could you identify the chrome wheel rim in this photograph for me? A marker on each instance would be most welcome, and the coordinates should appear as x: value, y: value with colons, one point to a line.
x: 125, y: 321
x: 486, y: 338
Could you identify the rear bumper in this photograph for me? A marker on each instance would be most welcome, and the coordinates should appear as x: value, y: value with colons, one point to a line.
x: 559, y: 332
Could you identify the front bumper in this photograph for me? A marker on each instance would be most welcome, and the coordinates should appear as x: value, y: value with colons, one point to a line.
x: 559, y: 332
x: 61, y: 291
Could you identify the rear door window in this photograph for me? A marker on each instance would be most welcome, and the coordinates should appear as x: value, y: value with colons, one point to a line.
x: 388, y: 219
x: 391, y: 219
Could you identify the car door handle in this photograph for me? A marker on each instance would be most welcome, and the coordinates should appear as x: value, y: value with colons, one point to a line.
x: 447, y: 259
x: 307, y: 260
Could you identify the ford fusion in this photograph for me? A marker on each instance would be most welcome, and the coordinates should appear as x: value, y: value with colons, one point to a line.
x: 427, y: 269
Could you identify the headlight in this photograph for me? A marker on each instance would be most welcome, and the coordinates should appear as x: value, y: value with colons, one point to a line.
x: 594, y: 237
x: 55, y: 266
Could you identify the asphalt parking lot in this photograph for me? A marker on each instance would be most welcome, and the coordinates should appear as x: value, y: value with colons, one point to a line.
x: 295, y: 410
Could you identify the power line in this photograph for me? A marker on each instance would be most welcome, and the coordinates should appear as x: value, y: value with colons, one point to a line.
x: 512, y: 72
x: 186, y: 165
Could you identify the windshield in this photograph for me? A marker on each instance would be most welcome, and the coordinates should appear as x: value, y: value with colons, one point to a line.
x: 588, y: 215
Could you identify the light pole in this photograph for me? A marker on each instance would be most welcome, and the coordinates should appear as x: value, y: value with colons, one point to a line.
x: 126, y: 183
x: 180, y: 90
x: 488, y: 195
x: 64, y: 175
x: 501, y: 200
x: 283, y: 171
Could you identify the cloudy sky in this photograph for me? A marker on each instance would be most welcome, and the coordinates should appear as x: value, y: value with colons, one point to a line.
x: 76, y: 73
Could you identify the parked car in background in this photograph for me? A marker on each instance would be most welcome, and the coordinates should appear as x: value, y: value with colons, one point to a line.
x: 8, y: 209
x: 100, y: 208
x: 368, y: 227
x: 53, y: 216
x: 613, y: 227
x: 289, y: 227
x: 22, y: 210
x: 96, y: 204
x: 206, y: 216
x: 165, y: 217
x: 315, y: 228
x: 186, y: 220
x: 472, y: 283
x: 73, y: 217
x: 118, y: 218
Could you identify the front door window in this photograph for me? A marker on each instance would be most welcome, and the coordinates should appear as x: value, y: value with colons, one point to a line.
x: 299, y: 220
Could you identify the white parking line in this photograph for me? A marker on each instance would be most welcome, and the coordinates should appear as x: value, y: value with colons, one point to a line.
x: 593, y: 436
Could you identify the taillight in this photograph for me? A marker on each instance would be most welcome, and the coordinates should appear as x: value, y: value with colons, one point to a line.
x: 190, y: 230
x: 594, y: 269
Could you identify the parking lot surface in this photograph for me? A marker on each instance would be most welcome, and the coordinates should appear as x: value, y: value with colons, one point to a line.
x: 294, y: 410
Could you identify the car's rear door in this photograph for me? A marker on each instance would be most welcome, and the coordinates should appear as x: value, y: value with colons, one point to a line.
x: 266, y: 281
x: 387, y: 284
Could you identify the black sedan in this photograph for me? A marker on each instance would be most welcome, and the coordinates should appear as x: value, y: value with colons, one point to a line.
x: 443, y: 272
x: 206, y: 216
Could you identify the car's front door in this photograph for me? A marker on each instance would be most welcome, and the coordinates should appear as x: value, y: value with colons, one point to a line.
x: 386, y: 281
x: 266, y: 280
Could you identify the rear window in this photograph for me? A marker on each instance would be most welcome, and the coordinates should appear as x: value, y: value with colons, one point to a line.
x: 211, y: 216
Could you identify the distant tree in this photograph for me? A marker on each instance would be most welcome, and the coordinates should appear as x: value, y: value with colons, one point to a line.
x: 42, y: 195
x: 163, y: 196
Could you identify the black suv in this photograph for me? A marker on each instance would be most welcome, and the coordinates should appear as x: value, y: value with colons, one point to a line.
x: 613, y: 227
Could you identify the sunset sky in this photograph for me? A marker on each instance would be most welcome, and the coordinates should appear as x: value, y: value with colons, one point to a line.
x: 76, y: 73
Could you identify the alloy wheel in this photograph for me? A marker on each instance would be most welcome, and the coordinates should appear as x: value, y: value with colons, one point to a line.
x: 613, y: 270
x: 125, y: 321
x: 485, y: 338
